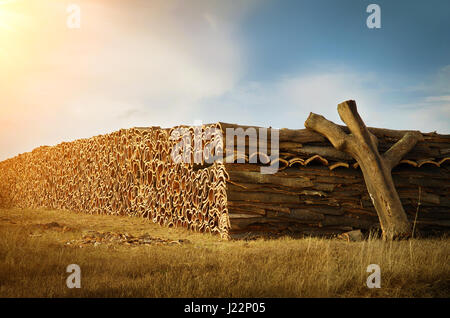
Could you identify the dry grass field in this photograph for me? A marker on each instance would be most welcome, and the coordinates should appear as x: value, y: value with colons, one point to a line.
x: 34, y: 255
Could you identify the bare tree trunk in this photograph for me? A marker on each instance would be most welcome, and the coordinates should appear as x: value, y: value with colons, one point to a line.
x: 363, y: 146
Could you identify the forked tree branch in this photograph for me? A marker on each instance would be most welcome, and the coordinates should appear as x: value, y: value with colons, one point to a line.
x: 362, y: 145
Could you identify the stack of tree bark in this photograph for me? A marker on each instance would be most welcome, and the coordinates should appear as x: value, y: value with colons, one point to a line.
x: 319, y: 190
x: 165, y: 175
x: 129, y: 172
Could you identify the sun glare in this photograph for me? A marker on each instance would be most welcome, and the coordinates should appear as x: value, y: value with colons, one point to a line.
x: 6, y: 17
x: 14, y: 23
x: 11, y: 17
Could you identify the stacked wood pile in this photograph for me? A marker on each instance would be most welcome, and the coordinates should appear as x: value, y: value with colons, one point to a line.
x: 317, y: 190
x: 320, y: 190
x: 129, y: 172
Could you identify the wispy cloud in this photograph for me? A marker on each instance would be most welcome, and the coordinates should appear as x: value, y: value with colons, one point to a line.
x: 150, y: 63
x: 287, y: 101
x: 438, y: 99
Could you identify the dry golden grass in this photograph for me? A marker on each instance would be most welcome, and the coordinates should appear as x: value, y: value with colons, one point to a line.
x: 33, y: 263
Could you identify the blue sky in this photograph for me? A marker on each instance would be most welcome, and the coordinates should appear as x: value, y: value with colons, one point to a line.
x: 401, y: 71
x: 268, y: 63
x: 292, y: 36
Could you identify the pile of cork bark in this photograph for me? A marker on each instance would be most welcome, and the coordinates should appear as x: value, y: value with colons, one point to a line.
x: 317, y: 189
x: 128, y: 172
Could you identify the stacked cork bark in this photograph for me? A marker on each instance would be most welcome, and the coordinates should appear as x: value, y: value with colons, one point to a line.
x: 129, y: 172
x: 319, y: 190
x: 142, y: 172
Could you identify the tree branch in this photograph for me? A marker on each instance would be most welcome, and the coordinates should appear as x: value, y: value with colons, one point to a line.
x: 393, y: 156
x: 363, y: 146
x: 330, y: 130
x: 350, y: 116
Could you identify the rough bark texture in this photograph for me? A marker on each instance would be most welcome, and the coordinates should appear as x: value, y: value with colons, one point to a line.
x: 319, y: 201
x: 326, y: 187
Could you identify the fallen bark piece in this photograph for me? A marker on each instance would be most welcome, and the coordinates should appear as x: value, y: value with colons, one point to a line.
x: 362, y: 145
x: 352, y: 236
x: 96, y: 238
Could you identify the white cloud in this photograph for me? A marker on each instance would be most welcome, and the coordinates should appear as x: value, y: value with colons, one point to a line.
x: 140, y: 64
x: 288, y: 101
x: 432, y: 99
